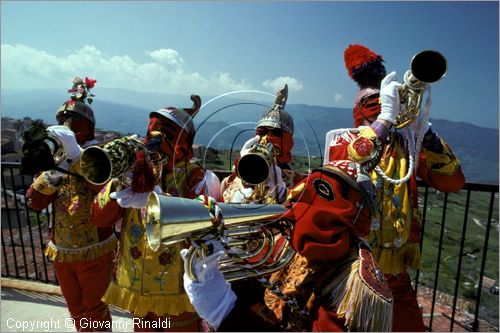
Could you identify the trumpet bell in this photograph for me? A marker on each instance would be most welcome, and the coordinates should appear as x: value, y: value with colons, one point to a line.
x: 429, y: 66
x: 253, y: 169
x: 426, y: 67
x: 95, y: 165
x: 100, y: 164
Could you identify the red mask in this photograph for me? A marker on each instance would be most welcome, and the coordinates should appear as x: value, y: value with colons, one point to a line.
x: 81, y: 126
x: 282, y: 141
x: 175, y: 143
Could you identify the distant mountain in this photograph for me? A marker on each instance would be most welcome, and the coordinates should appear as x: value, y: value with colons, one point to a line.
x: 229, y: 122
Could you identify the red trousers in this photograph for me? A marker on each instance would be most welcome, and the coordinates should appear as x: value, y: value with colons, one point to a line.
x: 185, y: 322
x: 83, y: 284
x: 407, y: 316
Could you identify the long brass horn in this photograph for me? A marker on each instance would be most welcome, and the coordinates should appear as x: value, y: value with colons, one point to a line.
x: 426, y: 67
x: 100, y: 164
x: 249, y: 228
x: 254, y: 167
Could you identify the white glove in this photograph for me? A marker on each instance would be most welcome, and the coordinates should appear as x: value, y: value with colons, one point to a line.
x: 389, y: 97
x: 241, y: 195
x: 248, y: 145
x: 67, y: 139
x: 129, y: 199
x: 54, y: 177
x: 276, y: 189
x: 212, y: 297
x: 209, y: 185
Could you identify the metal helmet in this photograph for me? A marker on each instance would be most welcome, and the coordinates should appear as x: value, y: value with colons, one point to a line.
x: 277, y: 117
x: 77, y: 107
x: 181, y: 117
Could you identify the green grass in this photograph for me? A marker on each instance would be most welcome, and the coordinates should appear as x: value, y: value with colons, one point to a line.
x: 473, y: 250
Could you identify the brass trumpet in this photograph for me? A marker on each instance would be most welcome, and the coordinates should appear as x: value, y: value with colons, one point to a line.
x: 254, y: 167
x: 250, y: 230
x: 426, y: 67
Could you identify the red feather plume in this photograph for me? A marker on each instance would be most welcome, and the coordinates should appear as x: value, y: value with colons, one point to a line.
x: 357, y: 55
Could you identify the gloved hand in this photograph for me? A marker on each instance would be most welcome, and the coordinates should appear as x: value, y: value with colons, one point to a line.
x: 212, y: 297
x: 248, y: 145
x: 55, y: 177
x: 68, y: 140
x: 129, y: 199
x: 277, y: 188
x: 241, y: 194
x: 389, y: 97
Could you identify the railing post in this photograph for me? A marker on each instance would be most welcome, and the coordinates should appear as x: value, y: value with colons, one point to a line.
x: 483, y: 263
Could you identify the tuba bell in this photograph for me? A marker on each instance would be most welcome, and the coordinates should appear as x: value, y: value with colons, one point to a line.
x: 426, y: 67
x: 250, y: 231
x: 100, y: 164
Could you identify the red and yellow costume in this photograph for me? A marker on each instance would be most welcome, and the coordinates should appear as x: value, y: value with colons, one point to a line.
x: 333, y: 277
x: 148, y: 283
x: 396, y: 232
x: 81, y: 251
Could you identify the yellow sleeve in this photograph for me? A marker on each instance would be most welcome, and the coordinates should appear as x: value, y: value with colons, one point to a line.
x: 444, y: 163
x: 45, y: 185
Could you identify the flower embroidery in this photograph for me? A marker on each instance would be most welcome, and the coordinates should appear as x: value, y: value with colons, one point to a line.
x: 136, y: 231
x: 363, y: 146
x: 165, y: 258
x: 135, y: 253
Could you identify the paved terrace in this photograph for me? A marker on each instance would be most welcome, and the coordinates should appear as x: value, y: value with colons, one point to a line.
x: 38, y: 303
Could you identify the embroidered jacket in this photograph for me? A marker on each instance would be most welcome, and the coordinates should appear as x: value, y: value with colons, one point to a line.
x: 396, y: 235
x: 147, y: 281
x: 73, y: 235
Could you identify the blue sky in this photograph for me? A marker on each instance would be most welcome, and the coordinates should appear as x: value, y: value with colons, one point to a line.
x: 213, y: 48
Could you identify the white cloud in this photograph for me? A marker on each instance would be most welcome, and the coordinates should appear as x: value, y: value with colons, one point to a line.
x: 338, y: 97
x: 279, y: 82
x: 166, y: 72
x: 168, y: 57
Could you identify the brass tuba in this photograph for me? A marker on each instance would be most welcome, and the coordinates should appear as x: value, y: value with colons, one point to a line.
x: 250, y: 230
x: 100, y: 164
x: 426, y: 67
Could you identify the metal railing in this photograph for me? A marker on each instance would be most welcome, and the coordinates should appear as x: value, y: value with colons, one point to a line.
x: 453, y: 219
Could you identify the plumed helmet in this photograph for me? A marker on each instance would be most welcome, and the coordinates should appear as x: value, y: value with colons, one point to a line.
x: 277, y: 117
x: 182, y: 117
x: 77, y: 107
x: 363, y: 65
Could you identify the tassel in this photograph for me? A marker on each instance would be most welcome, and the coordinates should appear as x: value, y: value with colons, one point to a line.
x: 143, y: 176
x: 362, y: 308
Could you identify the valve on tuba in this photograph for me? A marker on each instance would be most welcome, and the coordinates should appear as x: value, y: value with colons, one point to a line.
x: 100, y: 164
x: 250, y: 231
x: 426, y: 67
